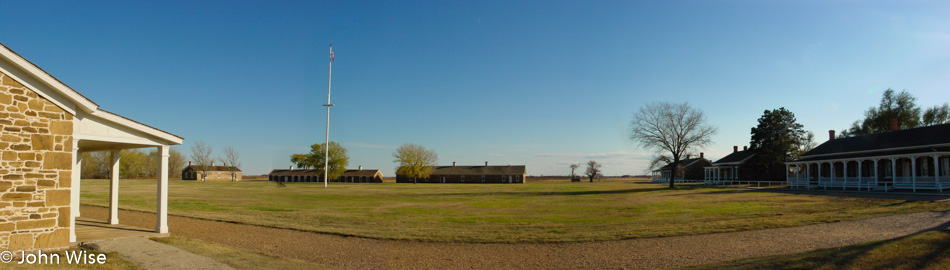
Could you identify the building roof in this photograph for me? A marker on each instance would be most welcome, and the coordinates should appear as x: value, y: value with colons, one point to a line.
x: 480, y: 170
x: 214, y: 168
x: 736, y: 157
x: 52, y: 89
x: 364, y: 172
x: 688, y: 162
x: 921, y: 139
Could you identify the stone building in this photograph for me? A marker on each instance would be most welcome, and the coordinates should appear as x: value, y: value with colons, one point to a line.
x: 215, y: 173
x: 471, y: 174
x: 350, y: 176
x: 44, y: 126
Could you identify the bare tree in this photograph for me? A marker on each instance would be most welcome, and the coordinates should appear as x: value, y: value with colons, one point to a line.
x: 593, y: 170
x: 232, y: 158
x: 201, y: 154
x: 415, y: 161
x: 668, y: 128
x: 176, y: 162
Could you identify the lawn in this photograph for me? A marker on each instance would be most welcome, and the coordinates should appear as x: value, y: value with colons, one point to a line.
x: 533, y: 212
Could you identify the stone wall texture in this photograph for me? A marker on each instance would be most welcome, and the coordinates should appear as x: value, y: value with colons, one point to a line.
x: 35, y: 161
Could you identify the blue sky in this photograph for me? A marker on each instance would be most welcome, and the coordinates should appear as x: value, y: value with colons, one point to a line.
x: 544, y: 83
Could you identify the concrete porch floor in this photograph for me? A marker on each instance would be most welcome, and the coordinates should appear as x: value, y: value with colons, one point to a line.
x: 90, y: 230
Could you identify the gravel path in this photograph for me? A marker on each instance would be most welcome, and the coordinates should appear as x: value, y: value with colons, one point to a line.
x: 652, y: 253
x: 153, y: 255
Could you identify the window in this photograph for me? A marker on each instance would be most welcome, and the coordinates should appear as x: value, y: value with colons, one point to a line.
x: 462, y: 177
x: 483, y: 178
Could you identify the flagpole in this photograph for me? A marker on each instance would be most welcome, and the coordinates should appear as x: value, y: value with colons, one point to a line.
x: 326, y: 148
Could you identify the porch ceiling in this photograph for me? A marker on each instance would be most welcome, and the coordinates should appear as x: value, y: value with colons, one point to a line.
x: 92, y: 145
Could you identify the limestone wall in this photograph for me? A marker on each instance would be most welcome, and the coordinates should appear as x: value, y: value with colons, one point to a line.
x: 35, y: 163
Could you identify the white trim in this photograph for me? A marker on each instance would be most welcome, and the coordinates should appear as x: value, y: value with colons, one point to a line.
x: 115, y: 118
x: 878, y: 150
x: 924, y: 154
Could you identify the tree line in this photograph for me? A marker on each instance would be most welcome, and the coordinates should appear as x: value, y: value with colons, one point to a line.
x: 134, y: 163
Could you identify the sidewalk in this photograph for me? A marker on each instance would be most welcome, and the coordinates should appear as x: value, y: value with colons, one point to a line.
x: 153, y: 255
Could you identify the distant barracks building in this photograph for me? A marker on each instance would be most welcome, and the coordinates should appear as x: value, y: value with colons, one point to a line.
x: 215, y: 173
x: 45, y: 126
x: 508, y: 174
x: 349, y: 176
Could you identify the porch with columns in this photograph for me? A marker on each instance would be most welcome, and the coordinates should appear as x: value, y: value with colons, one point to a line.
x: 721, y: 174
x: 924, y: 171
x: 104, y: 131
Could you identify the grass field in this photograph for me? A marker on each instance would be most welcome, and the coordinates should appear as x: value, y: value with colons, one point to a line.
x: 533, y: 212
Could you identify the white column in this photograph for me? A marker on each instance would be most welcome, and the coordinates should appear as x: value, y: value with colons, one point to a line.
x: 819, y: 173
x: 161, y: 221
x: 74, y: 190
x: 832, y: 171
x: 937, y: 173
x: 875, y: 170
x: 937, y: 169
x: 786, y: 172
x: 913, y: 172
x: 844, y: 172
x: 894, y: 169
x: 114, y: 190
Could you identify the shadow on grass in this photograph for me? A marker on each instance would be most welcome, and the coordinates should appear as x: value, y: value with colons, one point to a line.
x: 916, y: 251
x: 559, y: 193
x: 829, y: 193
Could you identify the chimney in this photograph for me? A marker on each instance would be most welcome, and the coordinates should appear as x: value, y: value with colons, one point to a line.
x: 453, y: 163
x: 212, y: 163
x: 486, y: 163
x: 745, y: 147
x: 291, y: 167
x: 189, y: 163
x: 831, y: 134
x: 894, y: 126
x: 361, y: 167
x: 735, y: 148
x: 687, y: 156
x: 701, y: 155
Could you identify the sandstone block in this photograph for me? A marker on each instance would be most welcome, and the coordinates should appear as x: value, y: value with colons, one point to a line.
x: 61, y: 127
x: 57, y: 197
x: 56, y: 239
x: 10, y: 196
x: 35, y: 224
x: 58, y: 161
x: 21, y: 241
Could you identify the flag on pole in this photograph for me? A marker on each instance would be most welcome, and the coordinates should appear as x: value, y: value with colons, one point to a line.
x: 331, y: 53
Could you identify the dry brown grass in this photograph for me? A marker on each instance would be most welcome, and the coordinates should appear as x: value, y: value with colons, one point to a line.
x: 928, y: 250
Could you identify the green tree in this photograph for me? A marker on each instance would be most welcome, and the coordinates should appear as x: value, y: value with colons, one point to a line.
x: 668, y: 128
x: 777, y: 138
x: 96, y: 165
x: 900, y: 106
x: 132, y: 163
x: 936, y: 115
x: 315, y: 159
x: 414, y: 161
